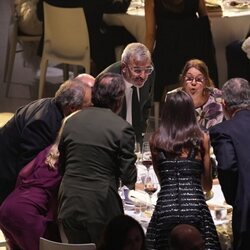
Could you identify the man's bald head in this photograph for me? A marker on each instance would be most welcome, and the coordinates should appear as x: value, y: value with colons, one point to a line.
x: 86, y: 78
x: 186, y: 237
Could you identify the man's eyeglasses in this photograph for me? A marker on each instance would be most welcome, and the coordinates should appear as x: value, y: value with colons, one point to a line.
x: 190, y: 79
x: 139, y: 70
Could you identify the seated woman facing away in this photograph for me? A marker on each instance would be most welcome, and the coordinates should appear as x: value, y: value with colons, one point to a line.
x: 27, y: 213
x: 181, y: 160
x: 195, y: 80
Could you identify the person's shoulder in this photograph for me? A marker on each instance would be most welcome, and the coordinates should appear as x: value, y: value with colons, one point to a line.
x: 221, y: 127
x: 215, y: 91
x: 215, y: 95
x: 113, y: 68
x: 36, y: 104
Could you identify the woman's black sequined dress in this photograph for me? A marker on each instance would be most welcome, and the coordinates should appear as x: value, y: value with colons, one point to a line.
x: 180, y: 200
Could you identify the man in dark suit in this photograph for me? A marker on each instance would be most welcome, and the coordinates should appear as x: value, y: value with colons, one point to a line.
x: 138, y: 73
x: 231, y: 142
x: 96, y: 150
x: 35, y: 126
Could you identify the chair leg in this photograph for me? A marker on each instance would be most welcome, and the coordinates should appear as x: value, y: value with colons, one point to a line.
x: 43, y: 70
x: 10, y: 60
x: 75, y: 70
x: 87, y: 66
x: 6, y: 67
x: 65, y: 72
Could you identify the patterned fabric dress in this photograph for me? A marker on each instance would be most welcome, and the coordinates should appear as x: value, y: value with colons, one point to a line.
x: 180, y: 200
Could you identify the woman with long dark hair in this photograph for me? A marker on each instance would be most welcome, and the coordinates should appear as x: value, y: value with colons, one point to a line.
x: 180, y: 154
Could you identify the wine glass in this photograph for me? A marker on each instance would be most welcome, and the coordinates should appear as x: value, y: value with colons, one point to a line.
x: 150, y: 187
x: 138, y: 152
x: 220, y: 213
x: 146, y: 156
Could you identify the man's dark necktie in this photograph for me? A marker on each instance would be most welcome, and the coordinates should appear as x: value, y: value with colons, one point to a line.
x: 136, y: 115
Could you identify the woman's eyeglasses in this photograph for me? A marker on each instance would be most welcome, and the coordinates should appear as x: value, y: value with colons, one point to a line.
x: 190, y: 79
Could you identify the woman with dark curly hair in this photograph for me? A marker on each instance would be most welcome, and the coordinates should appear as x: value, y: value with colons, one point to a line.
x: 181, y: 160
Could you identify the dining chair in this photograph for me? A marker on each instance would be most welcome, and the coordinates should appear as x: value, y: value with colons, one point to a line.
x: 5, y: 117
x: 14, y: 45
x: 45, y: 244
x: 3, y: 243
x: 66, y: 40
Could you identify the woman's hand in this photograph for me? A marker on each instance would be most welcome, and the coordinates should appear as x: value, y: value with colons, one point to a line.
x: 52, y: 157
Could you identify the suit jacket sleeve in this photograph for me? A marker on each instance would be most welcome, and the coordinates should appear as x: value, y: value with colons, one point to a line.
x: 227, y: 162
x: 147, y: 100
x: 35, y: 137
x: 127, y: 158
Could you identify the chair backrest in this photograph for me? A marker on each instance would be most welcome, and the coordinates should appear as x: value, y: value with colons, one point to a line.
x: 65, y: 33
x: 45, y: 244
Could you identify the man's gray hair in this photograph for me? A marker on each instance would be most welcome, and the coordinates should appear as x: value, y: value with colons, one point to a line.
x: 236, y: 93
x: 71, y: 93
x: 137, y: 50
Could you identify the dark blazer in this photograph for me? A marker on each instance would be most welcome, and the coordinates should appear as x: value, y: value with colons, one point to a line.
x: 96, y: 149
x: 32, y: 128
x: 231, y: 142
x: 146, y: 97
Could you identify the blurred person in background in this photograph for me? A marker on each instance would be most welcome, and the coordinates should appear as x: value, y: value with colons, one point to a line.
x: 103, y: 38
x: 177, y: 31
x: 122, y: 233
x: 186, y: 237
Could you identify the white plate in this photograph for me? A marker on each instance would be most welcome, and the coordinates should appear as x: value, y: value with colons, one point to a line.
x: 238, y: 5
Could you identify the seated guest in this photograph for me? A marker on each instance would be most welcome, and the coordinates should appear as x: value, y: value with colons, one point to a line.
x: 31, y: 207
x: 123, y: 233
x: 27, y: 212
x: 195, y: 80
x: 138, y: 73
x: 34, y: 127
x: 181, y: 160
x: 186, y: 237
x: 96, y: 151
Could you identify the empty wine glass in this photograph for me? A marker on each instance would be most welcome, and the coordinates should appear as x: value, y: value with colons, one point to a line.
x: 138, y: 151
x: 220, y: 213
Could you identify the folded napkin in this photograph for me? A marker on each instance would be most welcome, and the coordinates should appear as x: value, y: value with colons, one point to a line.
x: 142, y: 197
